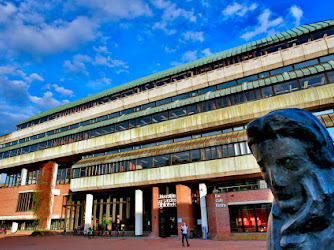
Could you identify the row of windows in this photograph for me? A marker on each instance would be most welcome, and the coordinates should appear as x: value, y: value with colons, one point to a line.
x: 178, y: 97
x: 230, y: 100
x: 209, y: 153
x: 170, y: 140
x: 199, y: 70
x: 64, y: 176
x: 13, y: 180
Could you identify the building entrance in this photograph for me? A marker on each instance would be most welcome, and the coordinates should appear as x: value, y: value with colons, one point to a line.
x: 167, y: 211
x: 167, y: 222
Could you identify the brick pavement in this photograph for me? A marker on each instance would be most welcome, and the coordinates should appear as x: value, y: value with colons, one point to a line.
x: 80, y: 242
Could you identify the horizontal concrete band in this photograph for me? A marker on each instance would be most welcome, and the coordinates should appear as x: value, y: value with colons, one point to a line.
x: 27, y: 217
x: 249, y: 202
x: 270, y: 61
x: 308, y: 98
x: 240, y: 165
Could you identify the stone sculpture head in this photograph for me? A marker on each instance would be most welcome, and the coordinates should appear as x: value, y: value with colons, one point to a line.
x: 296, y: 157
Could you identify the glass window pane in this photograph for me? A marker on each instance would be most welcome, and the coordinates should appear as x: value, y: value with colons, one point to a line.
x: 180, y: 158
x: 281, y: 70
x: 161, y: 160
x: 160, y: 117
x: 236, y: 149
x: 179, y: 97
x: 191, y: 109
x: 205, y: 90
x: 247, y: 79
x: 305, y: 64
x: 143, y: 121
x: 195, y: 155
x: 330, y: 76
x: 108, y: 129
x: 179, y: 112
x: 230, y: 150
x: 313, y: 81
x: 144, y: 163
x: 286, y: 87
x: 267, y: 91
x: 121, y: 126
x: 164, y: 101
x: 327, y: 58
x: 148, y: 105
x: 226, y: 84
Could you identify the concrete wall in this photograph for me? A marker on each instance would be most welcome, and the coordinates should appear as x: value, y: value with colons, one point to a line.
x: 285, y: 57
x: 309, y: 98
x: 192, y: 171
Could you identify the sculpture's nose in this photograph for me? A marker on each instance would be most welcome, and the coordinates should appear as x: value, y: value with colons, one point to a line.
x: 277, y: 178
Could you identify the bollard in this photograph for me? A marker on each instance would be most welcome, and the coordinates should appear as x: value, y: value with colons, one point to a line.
x: 205, y: 235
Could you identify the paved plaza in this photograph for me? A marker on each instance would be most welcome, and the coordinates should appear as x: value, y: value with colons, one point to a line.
x: 80, y: 242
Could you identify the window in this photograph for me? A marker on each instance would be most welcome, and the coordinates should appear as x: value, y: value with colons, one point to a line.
x: 25, y: 202
x: 281, y: 70
x: 286, y: 87
x: 143, y: 121
x: 249, y: 218
x: 180, y: 158
x: 161, y: 160
x: 195, y: 155
x: 305, y: 64
x: 313, y: 81
x: 144, y: 163
x: 160, y: 117
x: 179, y: 112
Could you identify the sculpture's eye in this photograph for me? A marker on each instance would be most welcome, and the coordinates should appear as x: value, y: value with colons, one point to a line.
x: 287, y: 163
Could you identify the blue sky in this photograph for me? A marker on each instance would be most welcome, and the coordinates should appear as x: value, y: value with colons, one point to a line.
x: 54, y: 52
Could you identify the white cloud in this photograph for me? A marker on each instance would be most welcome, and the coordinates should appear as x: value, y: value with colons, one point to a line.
x: 34, y: 77
x: 206, y: 52
x: 238, y: 9
x: 189, y: 56
x: 193, y: 36
x: 116, y: 9
x: 62, y: 90
x: 47, y: 101
x: 263, y: 26
x: 170, y: 13
x: 75, y: 67
x: 32, y: 35
x: 297, y: 13
x: 169, y: 50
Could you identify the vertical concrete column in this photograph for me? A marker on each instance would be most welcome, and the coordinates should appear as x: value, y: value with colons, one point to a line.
x: 204, y: 216
x: 139, y: 212
x: 53, y: 186
x: 88, y: 211
x: 155, y: 212
x: 24, y: 173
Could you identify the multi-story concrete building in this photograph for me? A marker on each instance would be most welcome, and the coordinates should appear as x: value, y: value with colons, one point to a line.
x: 169, y: 148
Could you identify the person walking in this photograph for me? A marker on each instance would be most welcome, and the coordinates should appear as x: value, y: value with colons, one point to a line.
x: 184, y: 230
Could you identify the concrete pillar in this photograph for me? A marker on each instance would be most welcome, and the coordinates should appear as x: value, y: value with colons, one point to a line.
x: 88, y: 211
x: 204, y: 216
x: 139, y: 212
x: 53, y: 186
x: 15, y: 227
x: 24, y: 173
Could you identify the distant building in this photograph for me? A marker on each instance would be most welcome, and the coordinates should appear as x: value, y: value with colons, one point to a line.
x: 169, y: 148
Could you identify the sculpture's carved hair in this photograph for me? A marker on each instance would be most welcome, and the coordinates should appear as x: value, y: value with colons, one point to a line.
x: 298, y: 124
